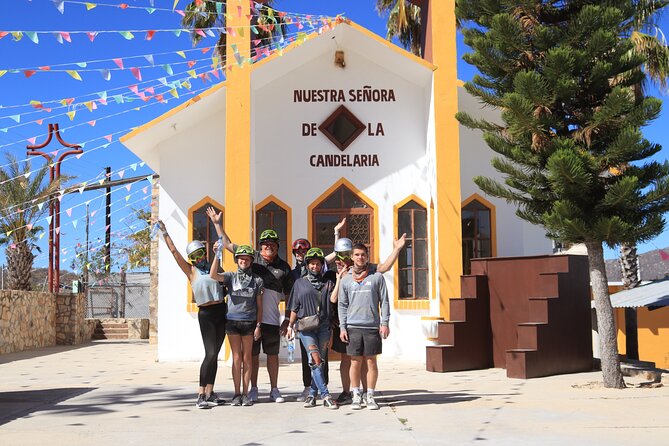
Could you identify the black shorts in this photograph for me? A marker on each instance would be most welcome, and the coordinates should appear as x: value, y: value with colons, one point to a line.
x: 337, y: 344
x: 364, y: 342
x: 241, y: 328
x: 269, y: 340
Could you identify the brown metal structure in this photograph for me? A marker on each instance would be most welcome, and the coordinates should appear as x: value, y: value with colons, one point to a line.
x: 54, y: 203
x: 530, y: 315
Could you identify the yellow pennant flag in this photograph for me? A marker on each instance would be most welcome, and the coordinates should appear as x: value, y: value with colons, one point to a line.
x: 89, y: 105
x: 127, y: 197
x: 214, y: 62
x: 41, y: 235
x: 182, y: 54
x: 191, y: 73
x: 71, y: 114
x: 3, y: 72
x: 175, y: 5
x: 174, y: 93
x: 90, y: 6
x: 74, y: 74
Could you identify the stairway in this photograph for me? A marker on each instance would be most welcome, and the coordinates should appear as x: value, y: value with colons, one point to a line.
x: 111, y: 329
x: 464, y: 342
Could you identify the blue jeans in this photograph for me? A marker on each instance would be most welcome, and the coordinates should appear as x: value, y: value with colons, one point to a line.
x: 320, y: 339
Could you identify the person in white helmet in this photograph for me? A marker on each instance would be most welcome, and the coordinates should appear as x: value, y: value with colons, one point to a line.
x: 209, y: 297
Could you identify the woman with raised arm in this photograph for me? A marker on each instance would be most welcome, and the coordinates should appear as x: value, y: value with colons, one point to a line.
x: 209, y: 298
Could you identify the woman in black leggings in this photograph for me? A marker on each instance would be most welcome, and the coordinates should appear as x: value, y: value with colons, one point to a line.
x: 209, y: 298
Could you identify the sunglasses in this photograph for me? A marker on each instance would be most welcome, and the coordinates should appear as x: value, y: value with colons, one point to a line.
x: 344, y: 255
x: 196, y: 255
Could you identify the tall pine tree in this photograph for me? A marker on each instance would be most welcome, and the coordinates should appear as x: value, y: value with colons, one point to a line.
x: 570, y: 148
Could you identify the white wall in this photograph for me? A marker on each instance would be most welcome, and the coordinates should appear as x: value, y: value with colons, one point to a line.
x: 192, y: 165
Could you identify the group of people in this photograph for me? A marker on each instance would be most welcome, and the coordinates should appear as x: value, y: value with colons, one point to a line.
x: 339, y: 299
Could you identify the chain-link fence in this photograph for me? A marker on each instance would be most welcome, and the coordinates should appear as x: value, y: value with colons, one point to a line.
x: 123, y: 295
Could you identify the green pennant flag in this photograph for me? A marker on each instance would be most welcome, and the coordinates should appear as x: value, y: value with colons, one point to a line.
x: 127, y: 34
x: 168, y: 68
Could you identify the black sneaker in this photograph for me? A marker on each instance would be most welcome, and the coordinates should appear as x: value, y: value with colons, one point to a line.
x: 237, y: 400
x: 344, y: 398
x: 202, y: 402
x: 214, y: 400
x: 329, y: 403
x: 310, y: 401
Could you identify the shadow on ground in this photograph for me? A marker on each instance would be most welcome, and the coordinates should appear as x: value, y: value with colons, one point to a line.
x: 418, y: 397
x: 19, y: 404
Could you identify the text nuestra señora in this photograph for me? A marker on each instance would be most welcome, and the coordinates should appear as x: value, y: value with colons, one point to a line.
x: 364, y: 94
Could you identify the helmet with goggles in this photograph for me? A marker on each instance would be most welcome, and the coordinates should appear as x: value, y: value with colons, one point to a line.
x: 314, y: 253
x: 269, y: 235
x: 344, y: 248
x: 196, y: 250
x: 301, y: 244
x: 244, y: 250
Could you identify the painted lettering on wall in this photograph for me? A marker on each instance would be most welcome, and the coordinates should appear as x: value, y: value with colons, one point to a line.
x: 344, y: 160
x: 364, y: 94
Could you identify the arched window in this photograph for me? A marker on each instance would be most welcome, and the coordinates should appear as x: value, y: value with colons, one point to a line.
x: 476, y: 233
x: 413, y: 259
x: 271, y: 215
x: 343, y: 202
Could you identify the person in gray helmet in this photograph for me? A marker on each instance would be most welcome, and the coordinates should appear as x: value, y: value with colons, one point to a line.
x: 209, y: 298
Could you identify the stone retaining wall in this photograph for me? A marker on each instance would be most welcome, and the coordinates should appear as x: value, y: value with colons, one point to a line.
x: 31, y: 320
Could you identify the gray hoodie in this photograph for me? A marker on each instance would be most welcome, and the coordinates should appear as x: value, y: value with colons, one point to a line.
x: 359, y: 302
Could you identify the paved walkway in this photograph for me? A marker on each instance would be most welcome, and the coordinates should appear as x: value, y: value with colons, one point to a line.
x: 108, y: 392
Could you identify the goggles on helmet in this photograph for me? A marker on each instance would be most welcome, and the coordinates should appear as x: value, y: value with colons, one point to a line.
x: 344, y: 255
x: 269, y: 235
x: 314, y: 253
x: 244, y: 250
x: 301, y: 245
x: 197, y: 255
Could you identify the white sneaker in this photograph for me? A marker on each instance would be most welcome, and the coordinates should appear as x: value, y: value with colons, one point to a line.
x: 356, y: 404
x: 371, y: 403
x: 253, y: 394
x: 275, y: 395
x: 303, y: 396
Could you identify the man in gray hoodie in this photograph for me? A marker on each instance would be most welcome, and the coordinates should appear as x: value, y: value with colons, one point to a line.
x: 361, y: 295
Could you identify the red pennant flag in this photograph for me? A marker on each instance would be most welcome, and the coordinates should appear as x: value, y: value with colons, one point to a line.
x: 664, y: 256
x: 123, y: 6
x: 205, y: 50
x: 29, y: 73
x: 118, y: 62
x: 69, y: 101
x: 66, y: 36
x: 149, y: 35
x: 39, y: 121
x: 92, y: 35
x: 135, y: 72
x: 45, y: 68
x: 191, y: 63
x: 3, y: 34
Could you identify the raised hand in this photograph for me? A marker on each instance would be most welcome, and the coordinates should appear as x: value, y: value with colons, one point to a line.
x: 216, y: 218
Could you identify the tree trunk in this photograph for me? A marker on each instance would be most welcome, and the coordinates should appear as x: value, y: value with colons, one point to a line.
x: 19, y: 266
x: 608, y: 342
x: 629, y: 267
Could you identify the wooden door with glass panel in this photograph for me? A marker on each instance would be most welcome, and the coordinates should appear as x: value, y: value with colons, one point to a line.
x: 359, y: 220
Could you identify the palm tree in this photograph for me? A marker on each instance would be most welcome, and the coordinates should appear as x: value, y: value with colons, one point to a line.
x: 20, y: 193
x: 204, y: 14
x: 403, y: 22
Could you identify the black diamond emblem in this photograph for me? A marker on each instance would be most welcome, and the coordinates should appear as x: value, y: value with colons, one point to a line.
x: 342, y: 128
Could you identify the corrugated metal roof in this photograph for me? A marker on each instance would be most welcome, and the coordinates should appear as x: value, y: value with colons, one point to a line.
x: 654, y: 294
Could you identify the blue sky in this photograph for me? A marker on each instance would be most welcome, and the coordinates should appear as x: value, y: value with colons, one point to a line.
x: 114, y: 119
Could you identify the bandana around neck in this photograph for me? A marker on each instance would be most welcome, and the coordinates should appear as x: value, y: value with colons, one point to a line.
x: 244, y: 276
x: 315, y: 280
x: 359, y: 273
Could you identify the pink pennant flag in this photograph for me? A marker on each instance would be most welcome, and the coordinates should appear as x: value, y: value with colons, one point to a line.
x: 128, y: 186
x: 118, y: 62
x: 121, y: 173
x: 60, y: 197
x: 93, y: 213
x: 134, y: 89
x: 92, y: 123
x: 135, y: 72
x: 256, y: 42
x: 180, y: 12
x: 29, y: 226
x: 39, y: 121
x: 199, y: 32
x: 150, y: 90
x: 58, y: 230
x: 79, y: 156
x: 145, y: 189
x: 54, y: 153
x: 66, y: 36
x: 92, y: 35
x: 663, y: 255
x: 69, y: 212
x: 45, y: 68
x: 108, y: 137
x: 215, y: 73
x: 32, y: 140
x: 160, y: 98
x: 107, y: 228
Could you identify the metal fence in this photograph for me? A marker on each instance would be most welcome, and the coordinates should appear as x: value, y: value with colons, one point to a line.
x: 121, y: 296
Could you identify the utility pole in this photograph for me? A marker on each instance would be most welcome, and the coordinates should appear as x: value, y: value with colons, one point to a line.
x: 87, y: 248
x: 108, y: 221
